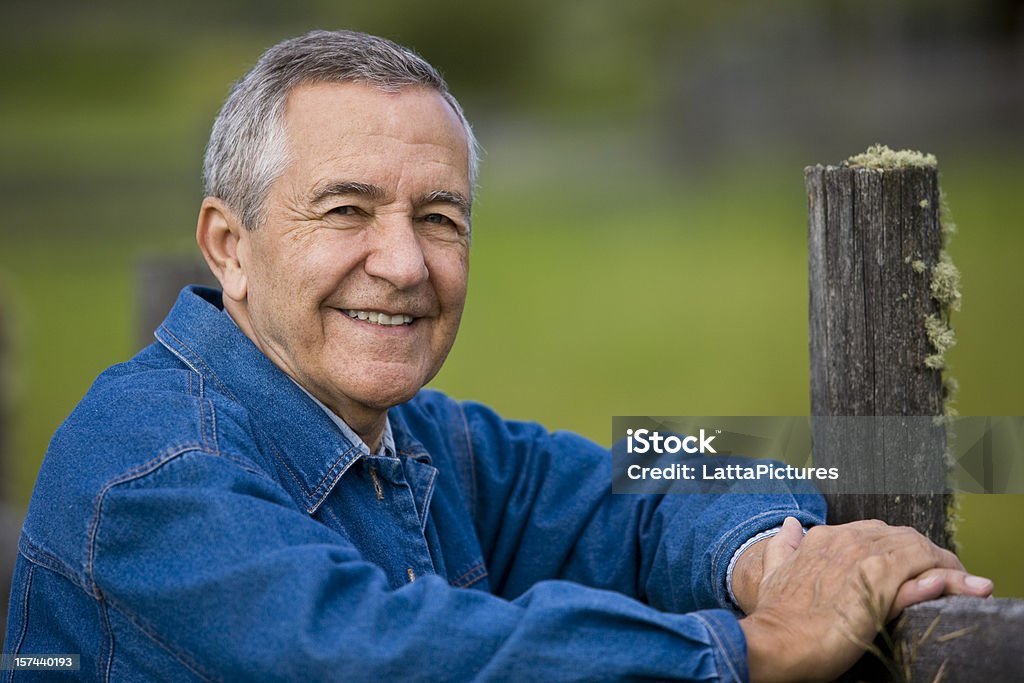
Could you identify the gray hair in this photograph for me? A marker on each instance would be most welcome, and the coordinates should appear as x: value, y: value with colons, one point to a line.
x: 247, y: 151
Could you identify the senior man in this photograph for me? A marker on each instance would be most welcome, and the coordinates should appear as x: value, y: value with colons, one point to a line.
x: 266, y: 493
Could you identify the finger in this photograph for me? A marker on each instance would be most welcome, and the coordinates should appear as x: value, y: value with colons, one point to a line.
x: 937, y: 582
x: 926, y: 586
x: 782, y: 545
x: 978, y: 586
x: 792, y: 532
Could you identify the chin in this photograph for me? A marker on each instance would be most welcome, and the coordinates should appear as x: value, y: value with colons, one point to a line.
x: 384, y: 397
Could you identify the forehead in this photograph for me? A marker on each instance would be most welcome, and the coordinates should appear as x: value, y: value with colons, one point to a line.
x: 354, y: 128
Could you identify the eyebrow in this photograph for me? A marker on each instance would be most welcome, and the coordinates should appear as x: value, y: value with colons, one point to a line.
x: 349, y: 188
x: 455, y: 199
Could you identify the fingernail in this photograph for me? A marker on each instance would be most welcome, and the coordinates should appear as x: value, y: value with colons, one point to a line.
x: 978, y: 582
x: 928, y: 581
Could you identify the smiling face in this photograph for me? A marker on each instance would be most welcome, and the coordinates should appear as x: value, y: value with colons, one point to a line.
x: 354, y: 284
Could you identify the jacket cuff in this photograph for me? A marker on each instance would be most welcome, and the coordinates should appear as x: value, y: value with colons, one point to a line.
x: 729, y: 644
x: 743, y: 532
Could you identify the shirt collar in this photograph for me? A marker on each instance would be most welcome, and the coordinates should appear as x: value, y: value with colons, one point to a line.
x: 387, y: 440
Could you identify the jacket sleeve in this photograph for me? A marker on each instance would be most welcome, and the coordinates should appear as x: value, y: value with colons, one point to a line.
x: 545, y: 510
x: 210, y: 559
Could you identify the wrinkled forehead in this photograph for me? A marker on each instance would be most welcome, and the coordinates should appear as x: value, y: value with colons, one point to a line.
x: 330, y: 122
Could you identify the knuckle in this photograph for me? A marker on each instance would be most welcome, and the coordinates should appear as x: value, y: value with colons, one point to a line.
x: 923, y: 545
x: 873, y: 566
x: 909, y: 531
x: 949, y: 559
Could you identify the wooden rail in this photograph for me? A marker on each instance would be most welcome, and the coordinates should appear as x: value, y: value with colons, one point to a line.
x: 961, y: 640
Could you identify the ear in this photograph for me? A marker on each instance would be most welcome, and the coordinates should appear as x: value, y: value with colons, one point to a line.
x: 220, y: 235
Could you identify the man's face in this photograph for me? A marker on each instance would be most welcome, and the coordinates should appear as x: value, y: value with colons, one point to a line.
x: 356, y: 280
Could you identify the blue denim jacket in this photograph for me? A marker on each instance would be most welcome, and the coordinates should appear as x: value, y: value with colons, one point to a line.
x: 198, y: 517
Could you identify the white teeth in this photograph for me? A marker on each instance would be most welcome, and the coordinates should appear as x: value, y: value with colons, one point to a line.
x: 379, y: 318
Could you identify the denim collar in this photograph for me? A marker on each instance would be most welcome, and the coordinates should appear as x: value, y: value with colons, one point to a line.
x: 315, y: 450
x: 387, y: 441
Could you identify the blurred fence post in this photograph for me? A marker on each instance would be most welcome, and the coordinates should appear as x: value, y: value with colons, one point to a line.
x: 160, y: 279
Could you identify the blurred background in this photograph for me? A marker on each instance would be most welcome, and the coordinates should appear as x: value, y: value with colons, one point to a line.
x: 640, y: 227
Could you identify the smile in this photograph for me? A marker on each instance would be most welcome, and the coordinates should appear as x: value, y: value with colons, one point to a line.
x: 378, y: 318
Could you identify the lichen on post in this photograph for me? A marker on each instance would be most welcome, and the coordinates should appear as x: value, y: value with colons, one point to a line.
x: 882, y: 289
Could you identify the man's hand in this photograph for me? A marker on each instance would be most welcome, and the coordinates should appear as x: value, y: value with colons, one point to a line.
x: 824, y: 596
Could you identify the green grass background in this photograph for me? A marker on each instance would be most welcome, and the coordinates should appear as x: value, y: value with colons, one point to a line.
x: 596, y: 296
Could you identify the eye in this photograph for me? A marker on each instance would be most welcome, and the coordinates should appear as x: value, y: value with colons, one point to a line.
x: 347, y: 210
x: 445, y: 225
x: 438, y: 219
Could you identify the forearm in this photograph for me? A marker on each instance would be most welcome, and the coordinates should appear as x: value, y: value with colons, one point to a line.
x: 550, y: 514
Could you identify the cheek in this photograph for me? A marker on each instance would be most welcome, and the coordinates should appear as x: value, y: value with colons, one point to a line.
x: 450, y: 274
x: 299, y: 280
x: 285, y: 294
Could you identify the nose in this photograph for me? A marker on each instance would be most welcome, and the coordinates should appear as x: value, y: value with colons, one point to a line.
x: 396, y: 254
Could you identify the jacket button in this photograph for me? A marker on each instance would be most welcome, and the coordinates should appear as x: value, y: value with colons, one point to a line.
x: 377, y: 488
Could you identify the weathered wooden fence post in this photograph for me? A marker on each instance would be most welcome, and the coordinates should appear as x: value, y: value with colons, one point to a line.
x: 875, y: 241
x: 881, y: 289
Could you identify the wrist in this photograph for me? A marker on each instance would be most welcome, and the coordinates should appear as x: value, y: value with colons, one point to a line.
x: 767, y: 655
x: 746, y: 576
